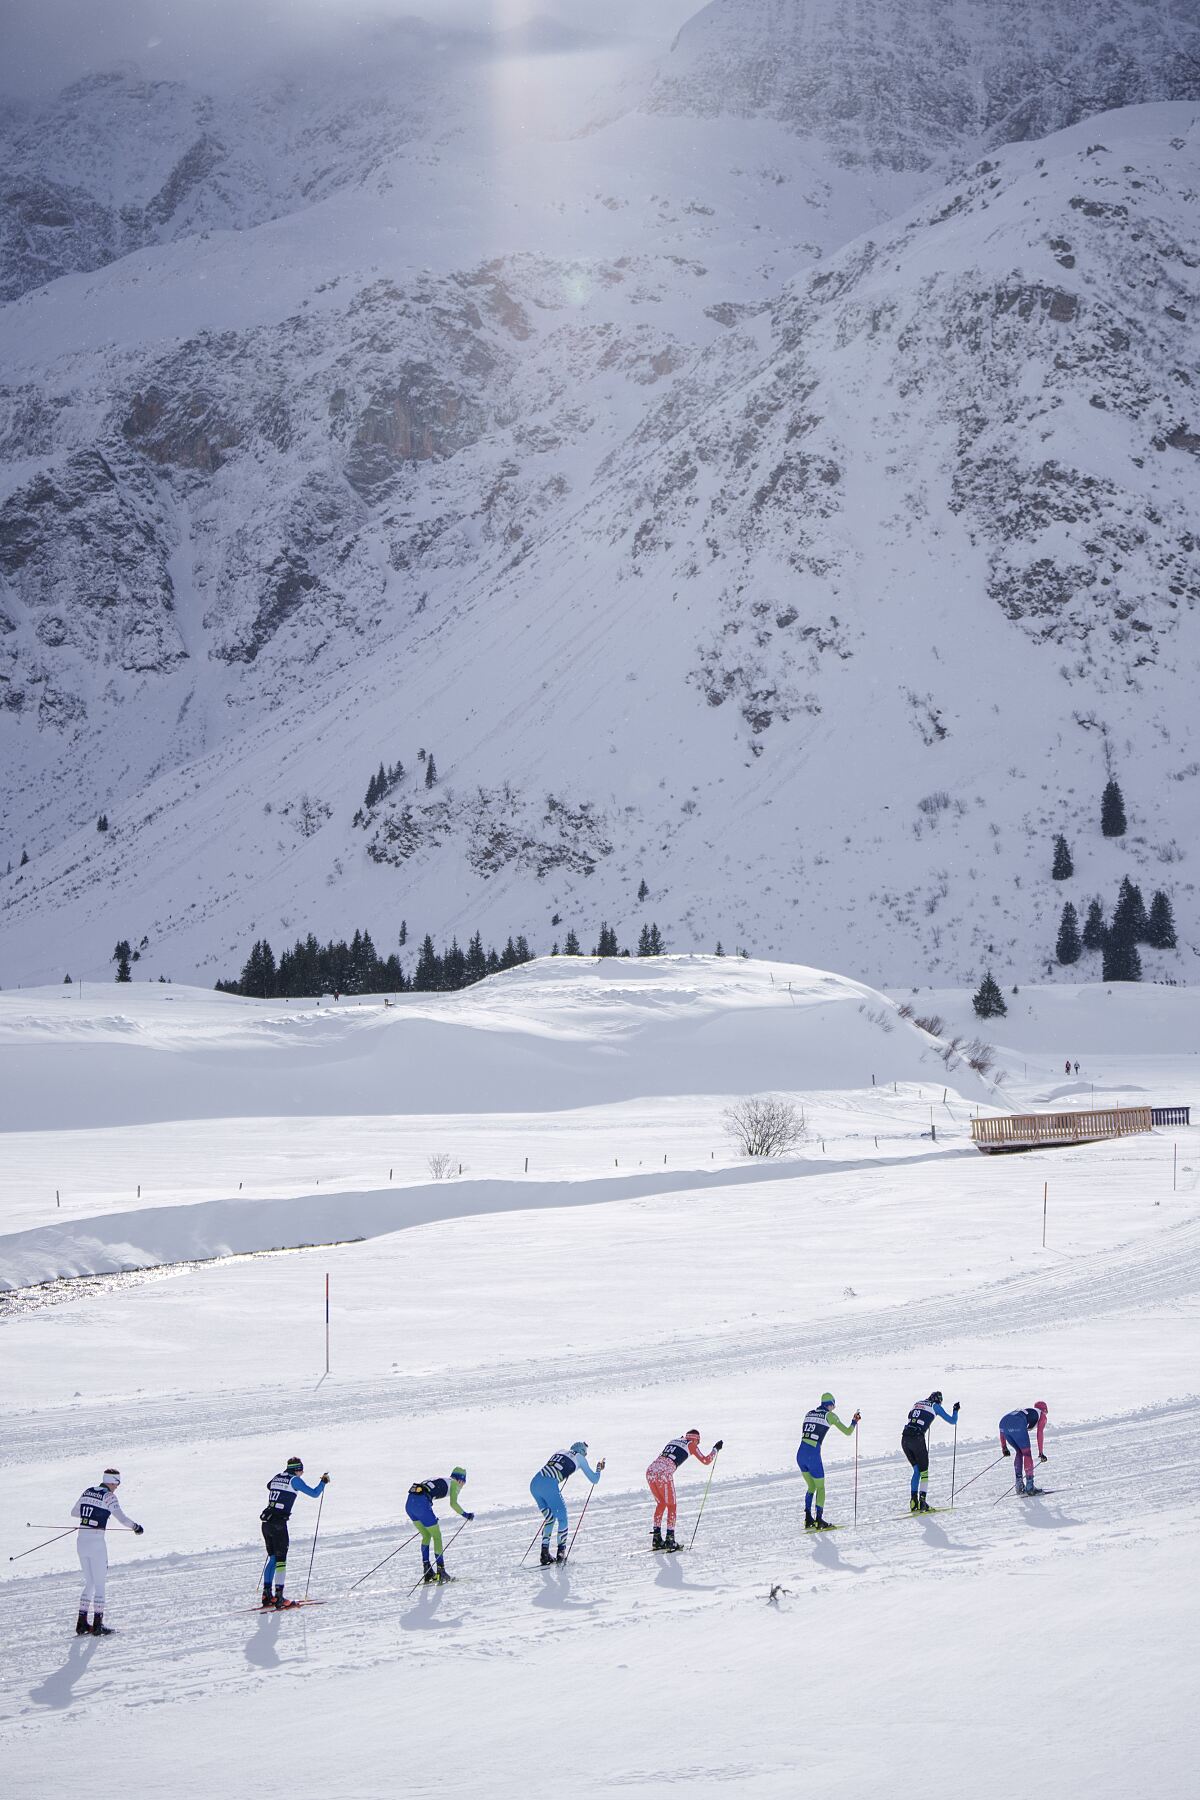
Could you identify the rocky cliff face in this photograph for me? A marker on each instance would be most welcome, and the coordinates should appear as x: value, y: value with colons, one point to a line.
x: 680, y: 566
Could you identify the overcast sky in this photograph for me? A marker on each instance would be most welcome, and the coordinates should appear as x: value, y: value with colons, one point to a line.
x: 45, y: 43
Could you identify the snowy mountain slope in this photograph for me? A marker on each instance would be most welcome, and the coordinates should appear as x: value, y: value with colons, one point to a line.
x: 493, y: 447
x: 890, y: 87
x: 950, y: 468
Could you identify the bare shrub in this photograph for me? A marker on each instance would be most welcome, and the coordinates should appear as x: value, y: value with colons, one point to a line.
x: 980, y: 1056
x: 440, y: 1165
x: 951, y: 1052
x: 934, y: 803
x: 933, y: 1023
x: 764, y: 1125
x: 905, y: 1009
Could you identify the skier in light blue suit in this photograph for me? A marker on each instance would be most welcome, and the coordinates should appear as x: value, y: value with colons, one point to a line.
x: 546, y: 1488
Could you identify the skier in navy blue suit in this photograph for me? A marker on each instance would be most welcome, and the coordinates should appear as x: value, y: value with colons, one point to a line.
x: 281, y: 1497
x: 914, y: 1441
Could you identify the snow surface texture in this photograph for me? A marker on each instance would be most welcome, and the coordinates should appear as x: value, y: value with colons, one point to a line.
x: 711, y: 461
x: 492, y: 1336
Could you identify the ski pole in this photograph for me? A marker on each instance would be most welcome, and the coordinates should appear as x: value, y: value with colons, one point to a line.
x: 856, y: 1477
x: 954, y: 1460
x: 416, y: 1584
x: 313, y: 1551
x: 72, y: 1527
x: 982, y: 1472
x: 533, y: 1540
x: 53, y: 1540
x: 582, y: 1517
x: 387, y: 1559
x: 704, y: 1500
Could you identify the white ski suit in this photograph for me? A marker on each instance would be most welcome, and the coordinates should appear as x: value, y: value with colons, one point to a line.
x: 93, y: 1509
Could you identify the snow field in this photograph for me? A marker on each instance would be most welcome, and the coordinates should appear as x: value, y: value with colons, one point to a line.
x: 1004, y: 1641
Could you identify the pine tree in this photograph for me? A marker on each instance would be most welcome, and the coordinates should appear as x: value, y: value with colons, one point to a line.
x: 643, y: 947
x: 1069, y: 946
x: 427, y: 977
x: 121, y: 956
x: 650, y: 941
x: 102, y: 822
x: 524, y: 953
x: 430, y: 771
x: 607, y: 945
x: 1121, y: 960
x: 509, y: 957
x: 24, y: 858
x: 476, y: 967
x: 571, y: 946
x: 1094, y: 927
x: 1160, y: 926
x: 454, y: 968
x: 1129, y: 914
x: 988, y: 1001
x: 719, y: 949
x: 257, y: 980
x: 403, y: 934
x: 643, y: 890
x: 66, y: 981
x: 1112, y: 811
x: 1063, y: 868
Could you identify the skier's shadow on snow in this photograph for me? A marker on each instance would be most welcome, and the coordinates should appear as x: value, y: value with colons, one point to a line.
x: 825, y: 1552
x: 555, y: 1592
x: 935, y: 1537
x: 58, y: 1689
x: 1042, y: 1519
x: 670, y: 1575
x: 262, y: 1650
x: 423, y: 1616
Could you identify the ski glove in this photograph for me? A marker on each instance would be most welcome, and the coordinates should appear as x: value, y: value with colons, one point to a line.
x: 955, y: 1407
x: 468, y: 1515
x: 1042, y: 1457
x: 720, y: 1444
x: 599, y: 1465
x: 856, y: 1418
x: 324, y: 1481
x: 1006, y: 1451
x: 138, y: 1529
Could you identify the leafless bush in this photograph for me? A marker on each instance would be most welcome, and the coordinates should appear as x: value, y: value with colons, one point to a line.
x: 440, y: 1165
x: 934, y: 803
x: 933, y: 1023
x: 951, y: 1052
x: 905, y: 1009
x: 980, y: 1056
x: 764, y: 1125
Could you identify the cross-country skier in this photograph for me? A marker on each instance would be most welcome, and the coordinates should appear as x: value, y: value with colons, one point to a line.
x: 1014, y: 1429
x: 661, y: 1478
x: 94, y: 1507
x: 419, y: 1507
x: 914, y: 1441
x: 546, y: 1488
x: 808, y: 1458
x: 281, y: 1497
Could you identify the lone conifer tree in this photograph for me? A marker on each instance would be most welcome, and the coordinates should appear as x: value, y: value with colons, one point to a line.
x: 1093, y: 927
x: 24, y: 858
x: 1069, y: 946
x: 571, y: 946
x: 431, y: 771
x: 1160, y: 927
x: 121, y: 956
x: 643, y: 890
x: 1112, y: 811
x: 988, y: 1001
x: 1063, y: 868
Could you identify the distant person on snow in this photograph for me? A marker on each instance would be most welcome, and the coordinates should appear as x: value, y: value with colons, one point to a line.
x: 546, y: 1488
x: 808, y: 1458
x: 1014, y: 1429
x: 419, y: 1507
x: 661, y: 1479
x: 914, y: 1441
x: 1077, y: 1068
x: 281, y: 1497
x: 94, y: 1508
x: 1068, y: 1065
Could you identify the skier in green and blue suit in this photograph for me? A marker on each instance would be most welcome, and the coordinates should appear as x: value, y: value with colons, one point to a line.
x: 419, y: 1509
x: 808, y: 1459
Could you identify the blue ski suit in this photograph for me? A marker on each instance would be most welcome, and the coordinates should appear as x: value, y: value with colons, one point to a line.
x: 547, y: 1486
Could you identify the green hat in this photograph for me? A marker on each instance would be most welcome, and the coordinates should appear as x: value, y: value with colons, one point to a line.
x: 458, y: 1474
x: 826, y: 1399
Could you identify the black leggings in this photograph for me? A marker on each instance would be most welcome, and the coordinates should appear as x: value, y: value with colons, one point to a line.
x: 915, y: 1446
x: 275, y: 1537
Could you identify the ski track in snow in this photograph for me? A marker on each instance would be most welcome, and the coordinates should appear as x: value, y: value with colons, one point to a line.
x: 1125, y: 1278
x: 181, y: 1630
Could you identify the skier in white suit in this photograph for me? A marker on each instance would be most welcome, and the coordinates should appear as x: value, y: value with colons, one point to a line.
x: 94, y: 1508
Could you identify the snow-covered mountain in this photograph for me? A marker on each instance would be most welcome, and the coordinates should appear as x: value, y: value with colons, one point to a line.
x: 770, y: 475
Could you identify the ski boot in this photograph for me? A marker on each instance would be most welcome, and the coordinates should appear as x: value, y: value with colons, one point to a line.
x: 442, y: 1573
x: 656, y: 1540
x: 547, y: 1559
x: 823, y: 1525
x: 428, y: 1574
x: 279, y: 1603
x: 81, y: 1625
x: 670, y: 1543
x: 1030, y: 1489
x: 268, y: 1599
x: 922, y: 1504
x: 99, y: 1628
x: 810, y: 1524
x: 914, y: 1504
x: 560, y: 1555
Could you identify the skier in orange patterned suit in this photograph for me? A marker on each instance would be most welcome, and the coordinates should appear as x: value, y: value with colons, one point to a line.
x: 661, y: 1477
